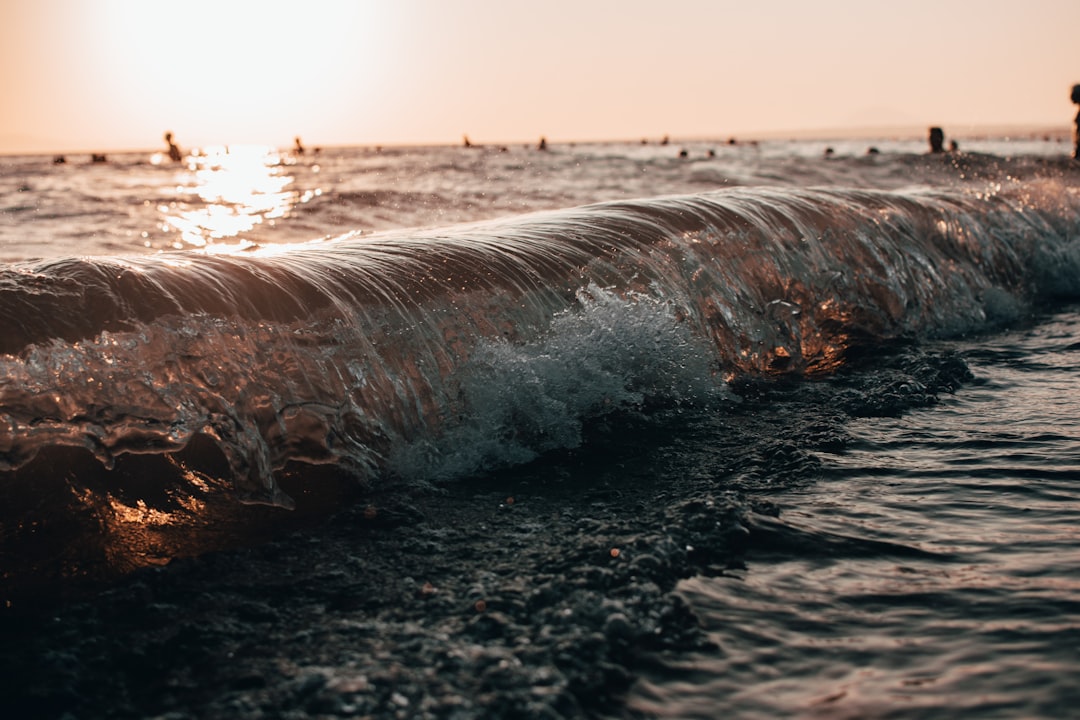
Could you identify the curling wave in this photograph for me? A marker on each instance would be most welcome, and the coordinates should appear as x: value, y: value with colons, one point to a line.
x: 430, y: 354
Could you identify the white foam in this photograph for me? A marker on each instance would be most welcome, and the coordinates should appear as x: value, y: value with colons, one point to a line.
x: 617, y: 352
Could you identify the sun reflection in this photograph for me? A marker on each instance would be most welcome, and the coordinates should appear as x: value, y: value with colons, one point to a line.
x: 227, y: 192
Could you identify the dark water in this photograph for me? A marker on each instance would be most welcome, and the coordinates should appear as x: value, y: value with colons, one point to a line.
x: 931, y: 569
x: 829, y: 407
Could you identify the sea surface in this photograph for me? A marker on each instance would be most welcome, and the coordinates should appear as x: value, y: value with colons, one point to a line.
x: 871, y: 351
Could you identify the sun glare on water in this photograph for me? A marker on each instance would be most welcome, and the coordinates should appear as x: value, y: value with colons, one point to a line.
x: 224, y: 193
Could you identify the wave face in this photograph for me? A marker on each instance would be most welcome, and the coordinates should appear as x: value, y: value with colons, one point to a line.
x: 425, y: 355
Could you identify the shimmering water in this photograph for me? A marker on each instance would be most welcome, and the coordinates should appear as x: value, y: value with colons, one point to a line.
x: 223, y: 197
x: 871, y: 354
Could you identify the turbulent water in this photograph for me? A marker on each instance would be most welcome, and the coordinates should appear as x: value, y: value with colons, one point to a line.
x: 880, y: 347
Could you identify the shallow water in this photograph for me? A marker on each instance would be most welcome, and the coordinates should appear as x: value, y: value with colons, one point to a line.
x: 760, y: 361
x: 934, y: 569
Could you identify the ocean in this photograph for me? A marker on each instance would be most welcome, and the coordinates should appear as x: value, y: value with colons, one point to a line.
x: 622, y: 430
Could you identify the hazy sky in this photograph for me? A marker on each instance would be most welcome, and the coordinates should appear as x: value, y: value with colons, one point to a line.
x: 113, y: 74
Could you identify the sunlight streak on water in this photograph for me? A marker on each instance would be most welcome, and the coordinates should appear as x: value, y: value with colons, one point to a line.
x: 228, y: 191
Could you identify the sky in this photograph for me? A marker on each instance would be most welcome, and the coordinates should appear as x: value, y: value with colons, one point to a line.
x: 110, y: 75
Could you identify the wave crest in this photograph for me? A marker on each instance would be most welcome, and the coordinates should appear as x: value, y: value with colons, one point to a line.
x: 432, y: 353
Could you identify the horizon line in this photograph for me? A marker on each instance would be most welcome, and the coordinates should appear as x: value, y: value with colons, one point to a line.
x: 867, y: 132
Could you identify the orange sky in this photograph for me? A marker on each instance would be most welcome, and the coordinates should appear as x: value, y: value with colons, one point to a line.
x: 103, y: 75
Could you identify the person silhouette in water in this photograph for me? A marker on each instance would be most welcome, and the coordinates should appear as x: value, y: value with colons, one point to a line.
x: 937, y: 140
x: 1076, y: 127
x: 174, y: 152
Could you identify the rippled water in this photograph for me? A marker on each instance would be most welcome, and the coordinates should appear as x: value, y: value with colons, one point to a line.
x: 248, y: 195
x: 908, y: 552
x: 933, y: 569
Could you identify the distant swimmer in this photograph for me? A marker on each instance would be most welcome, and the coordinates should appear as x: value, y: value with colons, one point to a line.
x: 174, y: 152
x: 299, y: 146
x: 937, y: 140
x: 954, y: 146
x: 1076, y: 128
x: 465, y: 141
x: 542, y: 145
